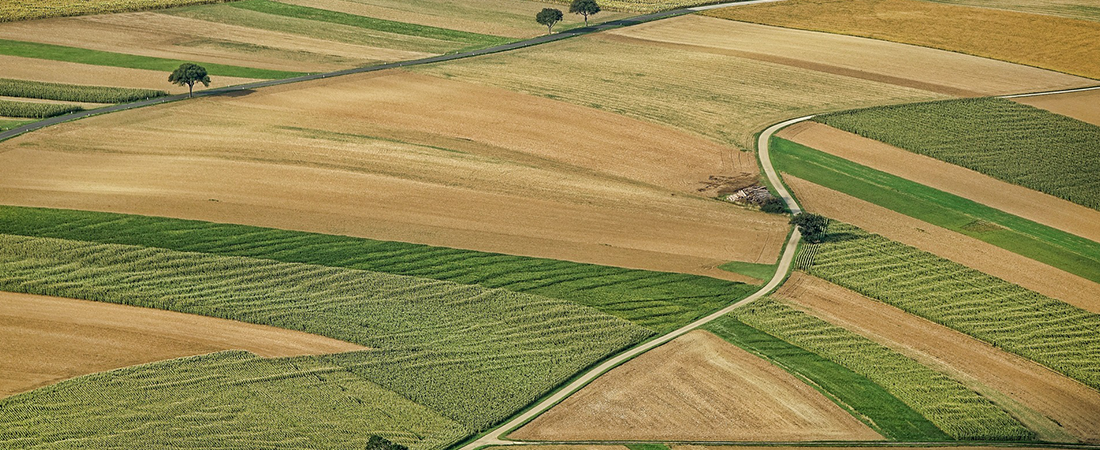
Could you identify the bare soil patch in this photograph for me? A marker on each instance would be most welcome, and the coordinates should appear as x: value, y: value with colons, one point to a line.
x: 957, y: 247
x: 411, y: 158
x: 1083, y: 106
x: 44, y: 340
x: 1063, y: 404
x: 697, y: 387
x: 1017, y: 200
x: 887, y: 62
x: 90, y: 75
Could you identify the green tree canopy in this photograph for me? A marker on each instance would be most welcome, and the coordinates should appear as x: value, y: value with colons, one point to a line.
x: 187, y: 74
x: 812, y: 226
x: 585, y: 8
x: 377, y: 442
x: 549, y: 17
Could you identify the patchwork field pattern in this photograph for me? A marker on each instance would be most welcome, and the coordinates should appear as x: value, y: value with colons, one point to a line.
x: 1011, y: 318
x: 14, y: 10
x: 1050, y: 42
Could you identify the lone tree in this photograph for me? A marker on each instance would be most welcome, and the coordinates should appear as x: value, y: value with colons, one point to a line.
x: 189, y: 74
x: 549, y: 17
x: 812, y: 226
x: 377, y: 442
x: 584, y: 7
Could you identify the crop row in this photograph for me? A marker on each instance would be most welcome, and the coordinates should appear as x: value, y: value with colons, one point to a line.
x: 73, y: 93
x: 221, y: 400
x: 1016, y: 143
x: 35, y: 110
x: 14, y: 10
x: 1050, y: 332
x: 953, y: 408
x: 656, y: 300
x: 445, y: 345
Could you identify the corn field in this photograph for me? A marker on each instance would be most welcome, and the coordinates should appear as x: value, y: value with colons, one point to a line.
x: 1047, y: 331
x: 73, y: 93
x: 955, y: 409
x: 35, y: 110
x: 1015, y: 143
x: 14, y: 10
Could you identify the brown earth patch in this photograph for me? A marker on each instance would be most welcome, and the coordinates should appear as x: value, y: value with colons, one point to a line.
x: 965, y: 250
x: 406, y: 157
x: 886, y: 62
x: 1063, y: 404
x: 44, y: 340
x: 1083, y: 106
x: 697, y: 387
x: 1017, y: 200
x: 89, y: 75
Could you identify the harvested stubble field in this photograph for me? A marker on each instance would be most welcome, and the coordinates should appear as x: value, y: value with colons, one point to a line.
x: 223, y: 400
x: 1056, y: 43
x: 1006, y: 140
x: 433, y: 161
x: 960, y: 248
x: 1074, y: 9
x: 1047, y: 331
x: 660, y: 301
x: 697, y: 387
x: 475, y: 354
x: 44, y: 70
x: 957, y: 410
x: 1055, y: 407
x: 725, y: 98
x: 1078, y: 105
x: 645, y: 6
x: 873, y: 60
x: 15, y: 10
x: 48, y: 339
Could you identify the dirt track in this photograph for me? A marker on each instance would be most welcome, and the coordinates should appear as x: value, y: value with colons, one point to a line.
x: 1020, y: 201
x: 1070, y: 404
x: 887, y: 62
x: 405, y: 157
x: 47, y: 339
x: 697, y: 387
x: 948, y: 244
x: 1083, y: 106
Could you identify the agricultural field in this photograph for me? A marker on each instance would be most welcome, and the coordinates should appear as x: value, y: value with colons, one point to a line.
x: 1044, y: 330
x: 1049, y: 42
x: 16, y: 10
x: 49, y: 339
x: 1055, y: 407
x: 958, y: 411
x: 1016, y: 143
x: 32, y: 99
x: 968, y: 251
x: 461, y: 176
x: 1074, y: 9
x: 1078, y: 105
x: 645, y: 6
x: 697, y: 387
x: 32, y: 69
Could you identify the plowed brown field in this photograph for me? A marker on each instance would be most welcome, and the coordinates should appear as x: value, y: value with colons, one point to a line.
x: 1083, y: 106
x: 700, y: 388
x: 1056, y: 43
x: 887, y: 62
x: 406, y: 157
x: 85, y: 74
x: 1020, y: 201
x: 47, y: 339
x: 1063, y: 404
x: 948, y: 244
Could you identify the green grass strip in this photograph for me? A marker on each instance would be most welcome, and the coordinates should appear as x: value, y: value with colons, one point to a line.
x: 73, y: 92
x: 369, y: 23
x: 759, y: 271
x: 101, y: 58
x: 958, y: 411
x: 1016, y: 143
x: 222, y: 400
x: 1057, y: 248
x: 35, y: 110
x: 1047, y: 331
x: 867, y: 401
x: 7, y: 124
x: 657, y: 300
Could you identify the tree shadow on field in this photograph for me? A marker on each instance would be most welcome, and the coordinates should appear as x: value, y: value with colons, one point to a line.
x: 236, y: 93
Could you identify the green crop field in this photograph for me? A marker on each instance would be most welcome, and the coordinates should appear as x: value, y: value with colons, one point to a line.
x: 35, y: 110
x: 221, y: 400
x: 73, y: 93
x: 867, y: 401
x: 13, y: 10
x: 471, y: 353
x: 101, y: 58
x: 1054, y: 247
x: 953, y: 408
x: 657, y: 300
x: 1016, y: 143
x: 1044, y: 330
